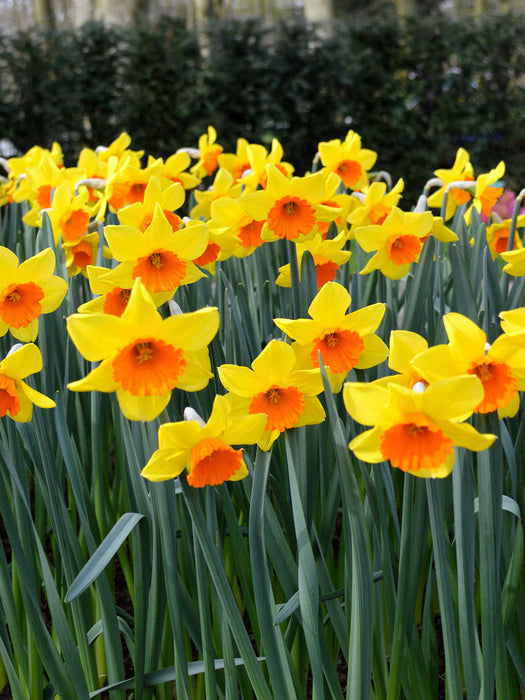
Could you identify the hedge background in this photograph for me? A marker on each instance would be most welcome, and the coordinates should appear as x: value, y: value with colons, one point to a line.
x: 415, y: 91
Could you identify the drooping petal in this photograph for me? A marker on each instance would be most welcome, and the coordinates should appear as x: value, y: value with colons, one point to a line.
x: 145, y: 408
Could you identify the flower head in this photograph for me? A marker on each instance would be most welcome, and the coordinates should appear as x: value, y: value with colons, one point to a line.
x: 275, y: 387
x: 398, y: 242
x: 348, y: 160
x: 415, y: 429
x: 27, y: 290
x: 143, y: 356
x: 16, y: 397
x: 290, y: 208
x: 461, y: 171
x: 328, y: 257
x: 344, y: 340
x: 205, y: 449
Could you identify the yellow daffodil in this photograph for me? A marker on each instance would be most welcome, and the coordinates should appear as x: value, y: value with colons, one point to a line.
x: 344, y: 340
x: 119, y: 148
x: 160, y: 256
x: 497, y: 365
x: 27, y: 290
x: 81, y: 253
x: 259, y: 158
x: 158, y: 191
x: 328, y: 257
x: 224, y: 185
x: 341, y: 201
x: 237, y: 163
x: 174, y: 168
x: 69, y: 214
x: 348, y: 160
x: 461, y: 171
x: 376, y: 205
x: 244, y: 230
x: 486, y: 195
x: 17, y: 397
x: 143, y: 357
x: 498, y: 236
x: 290, y: 208
x: 398, y: 242
x: 275, y: 387
x: 38, y: 186
x: 415, y: 429
x: 209, y: 152
x: 205, y: 449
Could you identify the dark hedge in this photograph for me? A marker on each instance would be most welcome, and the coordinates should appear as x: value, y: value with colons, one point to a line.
x: 414, y: 91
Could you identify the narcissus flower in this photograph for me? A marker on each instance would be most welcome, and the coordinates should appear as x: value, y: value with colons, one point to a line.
x: 174, y: 168
x: 160, y: 256
x: 404, y: 346
x: 348, y: 160
x: 498, y: 236
x: 486, y: 194
x: 17, y: 397
x: 497, y: 365
x: 224, y: 185
x: 245, y: 231
x: 344, y: 340
x: 461, y: 171
x: 27, y: 290
x: 416, y: 429
x: 376, y: 205
x: 290, y: 208
x: 170, y: 196
x: 81, y: 253
x: 398, y: 242
x: 143, y: 356
x: 69, y: 214
x: 205, y: 449
x: 328, y: 257
x: 259, y: 158
x: 275, y: 387
x: 209, y: 152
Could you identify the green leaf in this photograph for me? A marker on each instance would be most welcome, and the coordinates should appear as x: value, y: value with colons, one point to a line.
x: 103, y: 554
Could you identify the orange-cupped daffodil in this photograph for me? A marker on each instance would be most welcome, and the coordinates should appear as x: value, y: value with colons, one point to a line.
x: 160, y: 256
x: 348, y: 159
x: 415, y: 429
x: 345, y: 340
x: 290, y: 208
x: 27, y: 290
x: 274, y: 386
x: 398, y: 242
x: 205, y: 449
x: 142, y: 356
x: 16, y: 397
x: 328, y: 257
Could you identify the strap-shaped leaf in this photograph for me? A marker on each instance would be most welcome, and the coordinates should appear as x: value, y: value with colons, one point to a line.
x: 103, y: 554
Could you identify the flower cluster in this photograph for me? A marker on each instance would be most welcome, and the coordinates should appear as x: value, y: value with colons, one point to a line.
x: 137, y: 237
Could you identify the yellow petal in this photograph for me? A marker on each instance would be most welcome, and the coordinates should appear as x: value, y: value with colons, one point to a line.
x: 366, y: 446
x: 166, y: 464
x: 144, y: 408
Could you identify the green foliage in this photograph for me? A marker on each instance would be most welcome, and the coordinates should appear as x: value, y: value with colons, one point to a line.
x: 415, y: 92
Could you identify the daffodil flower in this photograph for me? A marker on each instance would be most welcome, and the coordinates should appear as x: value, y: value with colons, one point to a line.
x: 290, y: 208
x: 328, y: 257
x: 497, y: 366
x: 498, y: 236
x: 344, y: 340
x: 275, y: 387
x: 348, y: 160
x: 16, y: 397
x: 27, y: 290
x: 170, y: 196
x: 143, y: 357
x: 205, y: 449
x: 415, y: 429
x: 404, y: 346
x: 398, y: 242
x: 209, y: 152
x: 486, y: 194
x: 376, y: 205
x: 160, y: 256
x: 69, y: 214
x: 461, y: 171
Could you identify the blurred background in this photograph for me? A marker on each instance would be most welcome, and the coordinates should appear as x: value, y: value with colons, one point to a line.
x: 417, y: 79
